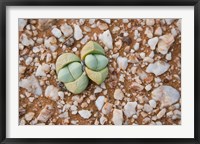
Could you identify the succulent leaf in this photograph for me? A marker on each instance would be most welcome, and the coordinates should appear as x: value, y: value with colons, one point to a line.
x: 97, y: 77
x: 91, y: 48
x: 78, y: 85
x: 64, y: 75
x: 75, y: 69
x: 66, y: 59
x: 102, y: 61
x: 91, y: 62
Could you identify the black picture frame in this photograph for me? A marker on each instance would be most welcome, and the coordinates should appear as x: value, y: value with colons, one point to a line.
x: 5, y: 3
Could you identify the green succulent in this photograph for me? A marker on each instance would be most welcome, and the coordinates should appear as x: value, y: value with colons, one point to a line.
x: 96, y: 62
x: 70, y: 70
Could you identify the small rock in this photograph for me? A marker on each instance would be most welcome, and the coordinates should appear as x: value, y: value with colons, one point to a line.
x: 48, y: 58
x: 51, y: 43
x: 66, y: 30
x: 85, y: 39
x: 42, y: 69
x: 91, y: 21
x: 173, y: 31
x: 29, y: 116
x: 28, y: 61
x: 32, y: 85
x: 102, y: 26
x: 22, y: 69
x: 158, y: 31
x: 45, y: 113
x: 106, y: 38
x: 52, y: 92
x: 81, y: 21
x: 74, y: 49
x: 98, y: 90
x: 152, y: 103
x: 107, y: 108
x: 153, y: 42
x: 121, y: 78
x: 178, y: 24
x: 169, y: 20
x: 169, y: 56
x: 122, y: 62
x: 125, y: 20
x: 85, y: 114
x: 137, y: 86
x: 161, y: 113
x: 150, y: 22
x: 64, y: 115
x: 103, y: 86
x: 22, y: 23
x: 118, y: 94
x: 117, y: 117
x: 26, y: 41
x: 22, y: 121
x: 142, y: 55
x: 73, y: 108
x: 61, y: 94
x: 148, y: 33
x: 56, y: 32
x: 108, y: 21
x: 77, y: 32
x: 142, y: 75
x: 87, y: 29
x: 102, y: 120
x: 146, y: 120
x: 158, y: 68
x: 167, y: 95
x: 164, y: 43
x: 136, y: 46
x: 148, y: 87
x: 133, y: 70
x: 115, y: 30
x: 36, y: 49
x: 147, y: 108
x: 129, y: 109
x: 100, y: 102
x: 44, y: 24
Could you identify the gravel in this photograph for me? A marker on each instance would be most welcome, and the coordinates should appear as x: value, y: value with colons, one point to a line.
x: 143, y: 86
x: 100, y: 102
x: 56, y: 32
x: 31, y: 84
x: 158, y: 68
x: 77, y: 32
x: 117, y: 117
x: 66, y: 30
x: 106, y: 38
x: 52, y: 92
x: 130, y: 109
x: 167, y: 95
x: 122, y: 62
x: 118, y: 94
x: 85, y: 114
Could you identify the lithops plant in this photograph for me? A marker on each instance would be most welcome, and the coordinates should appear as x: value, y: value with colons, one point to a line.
x: 70, y: 72
x: 96, y: 62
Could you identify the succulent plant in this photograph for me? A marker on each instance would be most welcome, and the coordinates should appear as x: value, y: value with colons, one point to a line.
x: 96, y: 62
x: 70, y: 72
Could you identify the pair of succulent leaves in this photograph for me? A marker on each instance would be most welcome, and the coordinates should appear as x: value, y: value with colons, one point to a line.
x: 70, y: 70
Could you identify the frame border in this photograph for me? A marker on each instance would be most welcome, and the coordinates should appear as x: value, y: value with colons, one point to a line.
x: 4, y: 3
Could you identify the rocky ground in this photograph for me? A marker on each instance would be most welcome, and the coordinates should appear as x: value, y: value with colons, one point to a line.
x: 144, y: 82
